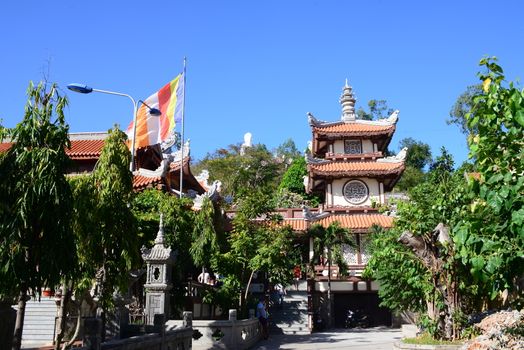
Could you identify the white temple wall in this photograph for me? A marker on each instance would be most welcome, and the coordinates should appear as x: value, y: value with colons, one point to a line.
x: 338, y: 146
x: 338, y: 196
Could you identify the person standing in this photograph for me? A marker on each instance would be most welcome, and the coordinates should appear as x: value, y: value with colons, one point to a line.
x: 262, y: 316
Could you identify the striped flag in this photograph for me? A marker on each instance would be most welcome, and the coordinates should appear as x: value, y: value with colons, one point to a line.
x: 150, y: 129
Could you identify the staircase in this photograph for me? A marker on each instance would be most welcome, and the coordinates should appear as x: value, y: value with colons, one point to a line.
x: 291, y: 317
x: 39, y: 322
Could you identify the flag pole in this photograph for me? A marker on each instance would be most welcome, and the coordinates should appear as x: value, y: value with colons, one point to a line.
x: 182, y: 132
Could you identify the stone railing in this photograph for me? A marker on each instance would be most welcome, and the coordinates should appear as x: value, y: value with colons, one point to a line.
x: 165, y: 338
x: 224, y: 334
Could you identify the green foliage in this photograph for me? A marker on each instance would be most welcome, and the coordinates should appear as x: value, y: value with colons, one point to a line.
x: 257, y: 243
x: 404, y: 283
x: 114, y: 243
x: 427, y: 339
x: 484, y: 211
x: 444, y: 162
x: 36, y: 247
x: 330, y: 239
x: 287, y: 151
x: 419, y: 153
x: 255, y: 170
x: 377, y: 109
x: 410, y: 178
x: 492, y: 237
x: 293, y: 182
x: 463, y: 106
x: 204, y: 240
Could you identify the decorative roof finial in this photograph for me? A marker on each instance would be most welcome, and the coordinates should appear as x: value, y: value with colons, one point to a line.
x: 347, y: 100
x: 160, y: 235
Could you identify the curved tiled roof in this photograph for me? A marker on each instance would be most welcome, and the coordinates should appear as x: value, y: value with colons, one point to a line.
x: 295, y: 224
x: 341, y: 168
x: 354, y: 129
x: 140, y: 182
x: 357, y: 222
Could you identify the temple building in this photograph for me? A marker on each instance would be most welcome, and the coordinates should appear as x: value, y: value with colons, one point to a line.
x: 156, y: 167
x: 347, y: 169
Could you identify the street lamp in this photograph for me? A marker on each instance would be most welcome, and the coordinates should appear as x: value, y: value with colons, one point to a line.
x: 84, y: 89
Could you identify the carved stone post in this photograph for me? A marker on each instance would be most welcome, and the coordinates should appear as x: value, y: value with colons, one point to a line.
x: 187, y: 319
x: 159, y: 260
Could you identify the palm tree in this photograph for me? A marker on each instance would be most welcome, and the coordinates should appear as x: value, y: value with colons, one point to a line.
x: 329, y: 240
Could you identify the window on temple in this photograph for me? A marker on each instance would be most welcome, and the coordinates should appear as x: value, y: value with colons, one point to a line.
x: 352, y: 147
x: 356, y: 192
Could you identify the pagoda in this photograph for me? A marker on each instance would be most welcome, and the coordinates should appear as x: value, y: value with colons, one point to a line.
x: 347, y: 168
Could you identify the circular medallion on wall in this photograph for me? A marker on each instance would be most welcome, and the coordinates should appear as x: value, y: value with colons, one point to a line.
x: 355, y: 192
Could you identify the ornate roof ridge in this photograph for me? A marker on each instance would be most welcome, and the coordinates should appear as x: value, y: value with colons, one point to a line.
x: 158, y: 172
x: 90, y: 135
x: 400, y: 157
x: 389, y: 121
x: 313, y: 160
x: 320, y: 123
x: 309, y: 216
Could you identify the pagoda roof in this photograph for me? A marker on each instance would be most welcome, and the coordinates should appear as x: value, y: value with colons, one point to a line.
x: 358, y: 128
x: 343, y: 168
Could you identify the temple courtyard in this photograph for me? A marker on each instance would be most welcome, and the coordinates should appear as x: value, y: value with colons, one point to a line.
x: 378, y: 338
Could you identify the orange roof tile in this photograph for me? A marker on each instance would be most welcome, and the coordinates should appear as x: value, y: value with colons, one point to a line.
x: 80, y: 149
x: 354, y: 129
x: 356, y: 168
x: 359, y: 221
x: 4, y: 146
x: 141, y: 182
x: 295, y: 224
x: 85, y: 149
x: 356, y: 222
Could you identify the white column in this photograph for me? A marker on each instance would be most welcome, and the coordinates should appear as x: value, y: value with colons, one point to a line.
x: 381, y: 193
x: 311, y: 248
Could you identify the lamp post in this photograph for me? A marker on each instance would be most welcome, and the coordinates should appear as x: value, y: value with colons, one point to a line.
x: 84, y: 89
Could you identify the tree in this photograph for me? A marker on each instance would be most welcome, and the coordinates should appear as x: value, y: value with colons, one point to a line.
x: 419, y: 153
x: 293, y: 183
x: 419, y: 156
x: 257, y: 243
x: 287, y: 151
x: 328, y: 241
x: 493, y: 237
x: 35, y: 209
x: 463, y: 106
x: 378, y: 109
x: 239, y: 173
x: 444, y: 162
x: 419, y: 255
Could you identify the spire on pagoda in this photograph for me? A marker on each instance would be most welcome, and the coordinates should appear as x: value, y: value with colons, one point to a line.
x: 347, y: 100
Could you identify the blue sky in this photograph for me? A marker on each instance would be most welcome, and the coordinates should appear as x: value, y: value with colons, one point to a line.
x: 259, y: 66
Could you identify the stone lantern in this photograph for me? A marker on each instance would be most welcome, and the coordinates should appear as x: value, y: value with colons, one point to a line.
x: 159, y: 260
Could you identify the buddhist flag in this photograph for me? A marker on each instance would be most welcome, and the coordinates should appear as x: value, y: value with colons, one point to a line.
x: 151, y: 129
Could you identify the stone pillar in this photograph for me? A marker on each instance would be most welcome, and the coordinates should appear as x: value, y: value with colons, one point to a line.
x: 187, y: 319
x: 92, y: 333
x: 232, y: 314
x: 159, y: 260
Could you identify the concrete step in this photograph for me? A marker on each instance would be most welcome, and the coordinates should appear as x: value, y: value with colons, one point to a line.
x: 291, y: 317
